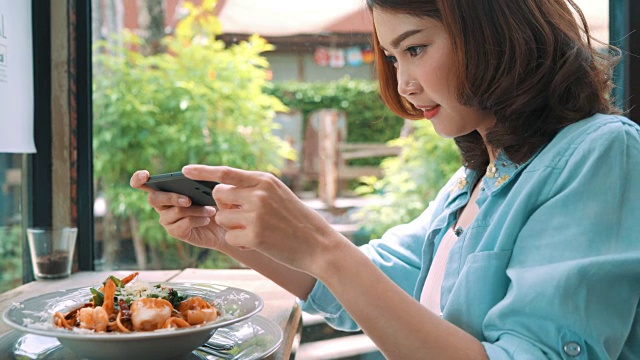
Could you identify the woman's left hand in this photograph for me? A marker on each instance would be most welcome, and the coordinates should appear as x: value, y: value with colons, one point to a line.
x: 260, y: 212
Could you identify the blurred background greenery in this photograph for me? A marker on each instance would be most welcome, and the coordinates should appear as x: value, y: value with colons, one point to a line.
x: 197, y: 102
x: 200, y: 101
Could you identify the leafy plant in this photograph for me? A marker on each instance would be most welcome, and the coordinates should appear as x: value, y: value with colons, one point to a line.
x: 410, y: 180
x: 11, y: 253
x: 200, y: 102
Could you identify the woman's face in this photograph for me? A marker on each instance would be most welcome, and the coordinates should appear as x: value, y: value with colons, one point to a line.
x: 422, y: 54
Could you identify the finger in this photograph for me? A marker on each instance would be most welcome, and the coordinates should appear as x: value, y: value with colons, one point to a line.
x: 139, y: 179
x: 232, y: 219
x: 223, y: 174
x: 229, y: 196
x: 162, y: 199
x: 174, y: 214
x: 186, y: 223
x: 222, y: 205
x: 239, y: 238
x: 182, y: 228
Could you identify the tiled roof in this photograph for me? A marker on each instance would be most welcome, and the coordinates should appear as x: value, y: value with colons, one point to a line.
x: 293, y: 17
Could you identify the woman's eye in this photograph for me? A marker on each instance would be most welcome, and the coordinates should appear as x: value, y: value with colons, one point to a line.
x: 414, y: 51
x: 391, y: 59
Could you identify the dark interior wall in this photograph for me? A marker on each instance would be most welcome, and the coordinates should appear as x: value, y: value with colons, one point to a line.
x: 624, y: 23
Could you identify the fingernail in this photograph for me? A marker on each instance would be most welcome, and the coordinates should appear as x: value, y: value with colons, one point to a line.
x: 183, y: 201
x: 141, y: 176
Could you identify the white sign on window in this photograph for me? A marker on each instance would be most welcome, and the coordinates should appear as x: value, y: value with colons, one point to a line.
x: 16, y: 77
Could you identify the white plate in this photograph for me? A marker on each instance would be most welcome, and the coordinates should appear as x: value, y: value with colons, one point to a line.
x: 34, y: 316
x: 255, y: 338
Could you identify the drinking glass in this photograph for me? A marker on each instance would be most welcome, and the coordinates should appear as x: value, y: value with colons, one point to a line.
x: 52, y: 251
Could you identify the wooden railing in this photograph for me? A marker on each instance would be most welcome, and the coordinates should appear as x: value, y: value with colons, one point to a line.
x: 326, y: 154
x: 351, y: 151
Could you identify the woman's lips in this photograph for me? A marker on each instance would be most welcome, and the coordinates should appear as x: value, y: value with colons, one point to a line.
x: 431, y: 111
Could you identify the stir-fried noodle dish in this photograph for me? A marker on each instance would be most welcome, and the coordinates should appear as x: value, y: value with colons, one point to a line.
x: 121, y: 305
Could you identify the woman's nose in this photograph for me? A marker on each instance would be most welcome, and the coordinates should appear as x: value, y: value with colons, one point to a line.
x: 407, y: 86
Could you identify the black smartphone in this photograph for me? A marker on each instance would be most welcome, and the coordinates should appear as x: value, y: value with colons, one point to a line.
x: 199, y: 191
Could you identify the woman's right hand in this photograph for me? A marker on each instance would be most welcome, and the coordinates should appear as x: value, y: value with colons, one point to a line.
x: 192, y: 224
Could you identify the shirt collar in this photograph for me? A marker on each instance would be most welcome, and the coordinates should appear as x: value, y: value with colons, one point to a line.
x: 498, y: 173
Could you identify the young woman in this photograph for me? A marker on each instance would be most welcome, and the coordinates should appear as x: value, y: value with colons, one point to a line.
x: 530, y: 251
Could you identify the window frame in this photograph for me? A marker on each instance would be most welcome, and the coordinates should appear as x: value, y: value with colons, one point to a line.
x: 37, y: 189
x: 36, y: 168
x: 84, y: 131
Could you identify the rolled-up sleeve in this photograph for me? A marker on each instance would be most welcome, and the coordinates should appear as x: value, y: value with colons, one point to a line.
x: 575, y: 268
x: 398, y: 253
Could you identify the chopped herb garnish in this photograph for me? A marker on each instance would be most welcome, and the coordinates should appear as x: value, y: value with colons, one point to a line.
x: 116, y: 281
x: 175, y: 299
x: 98, y: 297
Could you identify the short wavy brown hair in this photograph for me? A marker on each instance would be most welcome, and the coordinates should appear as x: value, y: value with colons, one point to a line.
x: 529, y: 62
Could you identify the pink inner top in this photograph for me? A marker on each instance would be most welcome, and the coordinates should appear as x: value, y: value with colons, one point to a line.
x: 430, y: 296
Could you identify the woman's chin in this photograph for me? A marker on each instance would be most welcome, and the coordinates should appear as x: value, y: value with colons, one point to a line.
x: 448, y: 132
x: 445, y: 132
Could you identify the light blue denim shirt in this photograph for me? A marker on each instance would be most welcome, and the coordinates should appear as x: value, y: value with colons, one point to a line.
x: 550, y: 267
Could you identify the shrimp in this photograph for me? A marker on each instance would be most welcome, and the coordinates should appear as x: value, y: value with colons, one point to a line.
x: 197, y: 311
x: 93, y: 319
x: 150, y: 313
x: 124, y: 280
x: 109, y: 292
x: 128, y: 279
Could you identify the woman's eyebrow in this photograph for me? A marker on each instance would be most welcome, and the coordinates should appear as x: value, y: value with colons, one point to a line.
x: 400, y: 38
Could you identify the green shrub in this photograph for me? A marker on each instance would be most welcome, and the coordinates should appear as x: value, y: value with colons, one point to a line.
x: 11, y: 253
x: 409, y: 181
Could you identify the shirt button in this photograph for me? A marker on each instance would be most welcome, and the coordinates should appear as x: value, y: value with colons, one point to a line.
x: 572, y: 348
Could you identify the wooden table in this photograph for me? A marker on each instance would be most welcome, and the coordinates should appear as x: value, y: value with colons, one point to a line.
x: 279, y: 305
